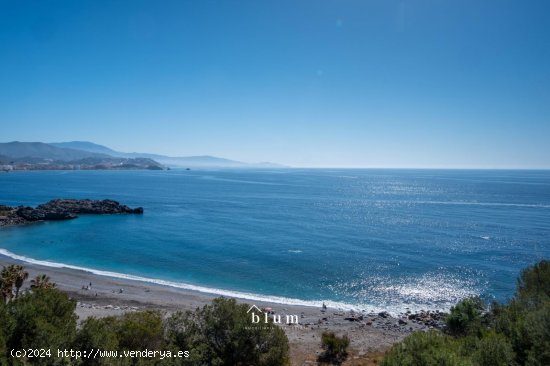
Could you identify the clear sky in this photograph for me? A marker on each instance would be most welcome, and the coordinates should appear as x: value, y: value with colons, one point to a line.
x: 306, y: 83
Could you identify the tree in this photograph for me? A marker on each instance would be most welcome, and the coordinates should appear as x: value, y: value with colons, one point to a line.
x: 97, y: 334
x: 494, y: 350
x: 535, y: 330
x: 12, y: 276
x: 42, y: 282
x: 6, y: 328
x: 43, y: 318
x: 465, y: 317
x: 6, y: 289
x: 222, y: 334
x: 140, y: 330
x: 20, y: 275
x: 7, y: 280
x: 525, y: 321
x: 533, y: 288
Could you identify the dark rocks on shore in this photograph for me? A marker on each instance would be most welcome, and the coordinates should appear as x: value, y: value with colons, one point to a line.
x: 36, y: 214
x: 62, y: 209
x: 354, y: 318
x: 88, y: 207
x: 402, y: 323
x: 434, y: 319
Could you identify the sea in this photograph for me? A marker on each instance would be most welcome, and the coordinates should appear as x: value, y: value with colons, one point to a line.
x: 371, y: 239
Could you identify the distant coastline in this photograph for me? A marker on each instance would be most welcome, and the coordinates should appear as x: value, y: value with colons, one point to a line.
x: 126, y: 165
x: 84, y: 155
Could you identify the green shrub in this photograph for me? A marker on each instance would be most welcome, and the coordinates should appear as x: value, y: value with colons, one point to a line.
x: 525, y: 321
x: 217, y: 334
x: 494, y: 350
x: 6, y: 328
x: 465, y: 317
x: 335, y: 348
x: 533, y: 288
x: 532, y: 337
x: 425, y: 349
x: 44, y: 318
x: 97, y: 334
x: 222, y: 334
x: 140, y: 330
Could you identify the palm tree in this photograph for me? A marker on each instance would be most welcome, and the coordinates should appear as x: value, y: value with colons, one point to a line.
x: 42, y: 281
x: 20, y: 275
x: 7, y: 281
x: 5, y: 290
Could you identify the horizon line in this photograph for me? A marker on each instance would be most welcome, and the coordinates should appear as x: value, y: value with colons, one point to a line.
x: 290, y: 166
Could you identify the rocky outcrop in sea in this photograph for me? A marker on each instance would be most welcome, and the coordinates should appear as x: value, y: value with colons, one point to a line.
x: 62, y: 209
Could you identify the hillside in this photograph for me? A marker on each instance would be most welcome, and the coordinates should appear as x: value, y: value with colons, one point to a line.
x: 89, y: 155
x: 41, y: 156
x: 205, y: 161
x: 27, y: 150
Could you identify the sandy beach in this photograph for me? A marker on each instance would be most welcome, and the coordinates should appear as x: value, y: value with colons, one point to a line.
x: 370, y: 334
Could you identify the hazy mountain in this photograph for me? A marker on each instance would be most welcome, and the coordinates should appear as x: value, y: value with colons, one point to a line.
x: 39, y: 156
x: 86, y: 146
x: 181, y: 161
x: 198, y: 161
x: 39, y: 150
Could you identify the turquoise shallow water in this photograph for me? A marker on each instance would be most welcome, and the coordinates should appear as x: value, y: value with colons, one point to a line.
x: 367, y: 239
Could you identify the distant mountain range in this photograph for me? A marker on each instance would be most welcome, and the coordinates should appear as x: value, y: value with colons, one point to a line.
x: 181, y: 161
x: 91, y: 155
x: 40, y: 156
x: 20, y: 151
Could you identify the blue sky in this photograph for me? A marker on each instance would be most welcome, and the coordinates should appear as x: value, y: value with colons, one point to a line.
x: 307, y: 83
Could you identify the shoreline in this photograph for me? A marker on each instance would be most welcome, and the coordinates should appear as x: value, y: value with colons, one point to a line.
x: 213, y: 292
x: 370, y: 333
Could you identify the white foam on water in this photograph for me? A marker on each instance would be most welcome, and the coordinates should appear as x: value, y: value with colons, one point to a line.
x: 424, y: 294
x: 186, y: 286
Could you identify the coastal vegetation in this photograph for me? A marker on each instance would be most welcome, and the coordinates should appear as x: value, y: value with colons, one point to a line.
x: 11, y: 281
x: 335, y: 348
x: 44, y: 317
x: 476, y: 334
x: 515, y: 333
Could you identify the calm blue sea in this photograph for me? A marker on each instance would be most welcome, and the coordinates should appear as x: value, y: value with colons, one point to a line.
x: 367, y: 239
